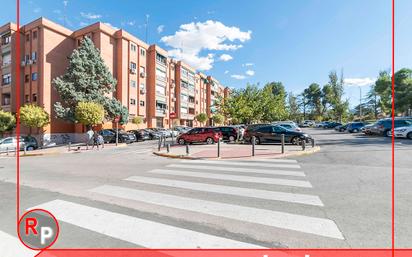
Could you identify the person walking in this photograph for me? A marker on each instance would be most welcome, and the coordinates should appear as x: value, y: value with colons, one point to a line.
x: 89, y: 137
x: 95, y: 140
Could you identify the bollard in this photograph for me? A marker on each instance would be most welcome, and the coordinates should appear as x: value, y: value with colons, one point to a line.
x: 168, y: 148
x: 159, y: 144
x: 7, y: 150
x: 303, y: 145
x: 15, y: 151
x: 25, y: 149
x: 253, y: 145
x: 172, y: 143
x: 187, y: 149
x: 313, y: 142
x: 282, y: 141
x: 164, y: 141
x: 70, y: 146
x: 218, y: 148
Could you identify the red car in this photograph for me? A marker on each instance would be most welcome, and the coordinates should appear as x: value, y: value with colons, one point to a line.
x: 197, y: 135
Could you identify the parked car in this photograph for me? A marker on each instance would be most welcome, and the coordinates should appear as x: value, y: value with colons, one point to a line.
x: 355, y: 127
x: 308, y: 123
x: 252, y: 127
x: 331, y: 125
x: 321, y: 124
x: 109, y: 136
x: 405, y: 132
x: 384, y: 126
x: 341, y: 128
x: 198, y: 135
x: 273, y: 133
x: 153, y: 134
x: 367, y: 129
x: 229, y: 133
x: 289, y: 125
x: 10, y: 143
x: 140, y: 134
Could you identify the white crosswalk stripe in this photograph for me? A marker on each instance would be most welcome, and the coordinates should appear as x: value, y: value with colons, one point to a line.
x: 249, y: 179
x: 237, y: 169
x: 265, y: 160
x: 11, y: 246
x: 283, y: 220
x: 230, y: 190
x: 250, y: 164
x: 134, y: 230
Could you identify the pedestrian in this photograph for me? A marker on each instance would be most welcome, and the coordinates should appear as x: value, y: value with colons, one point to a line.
x: 100, y: 140
x: 89, y: 137
x: 95, y: 140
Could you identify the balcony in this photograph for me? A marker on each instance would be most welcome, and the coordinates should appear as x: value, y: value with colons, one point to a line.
x: 160, y: 112
x: 187, y: 116
x: 5, y: 64
x: 191, y: 105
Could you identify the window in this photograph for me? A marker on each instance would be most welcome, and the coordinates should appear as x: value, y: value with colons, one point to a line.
x: 277, y: 129
x: 27, y: 78
x: 142, y: 52
x: 184, y: 110
x: 27, y: 98
x: 133, y: 47
x: 160, y: 90
x: 141, y: 103
x: 34, y: 34
x: 27, y: 37
x: 6, y: 99
x: 161, y: 59
x: 184, y: 97
x: 133, y: 101
x: 34, y: 76
x: 6, y: 59
x: 5, y: 40
x: 133, y: 66
x: 142, y: 69
x: 34, y: 56
x: 6, y: 79
x: 133, y: 83
x: 34, y: 97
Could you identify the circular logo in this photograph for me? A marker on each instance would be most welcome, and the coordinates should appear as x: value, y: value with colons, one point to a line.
x: 38, y: 229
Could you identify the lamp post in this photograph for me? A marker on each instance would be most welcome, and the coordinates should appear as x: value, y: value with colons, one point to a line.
x: 360, y: 103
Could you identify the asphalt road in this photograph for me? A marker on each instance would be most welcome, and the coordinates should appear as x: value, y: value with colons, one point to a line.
x: 338, y: 197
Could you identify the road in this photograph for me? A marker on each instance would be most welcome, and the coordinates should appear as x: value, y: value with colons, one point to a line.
x: 339, y: 197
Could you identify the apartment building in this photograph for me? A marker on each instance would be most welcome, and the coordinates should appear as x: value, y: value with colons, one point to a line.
x: 163, y: 91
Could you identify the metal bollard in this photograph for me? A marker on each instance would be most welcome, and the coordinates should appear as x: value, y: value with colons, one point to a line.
x: 218, y: 148
x: 187, y: 149
x: 159, y: 145
x: 7, y: 150
x: 25, y: 149
x: 253, y: 145
x: 282, y: 141
x: 303, y: 145
x: 172, y: 143
x: 313, y: 142
x: 15, y: 151
x: 168, y: 148
x: 70, y: 146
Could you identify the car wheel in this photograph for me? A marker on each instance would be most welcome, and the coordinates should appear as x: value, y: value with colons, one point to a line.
x: 181, y: 141
x: 231, y: 138
x: 296, y: 141
x: 30, y: 148
x: 409, y: 135
x: 355, y: 131
x: 257, y: 141
x: 387, y: 133
x: 209, y: 141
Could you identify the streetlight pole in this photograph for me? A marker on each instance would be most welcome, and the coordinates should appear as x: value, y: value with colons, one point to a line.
x: 360, y: 103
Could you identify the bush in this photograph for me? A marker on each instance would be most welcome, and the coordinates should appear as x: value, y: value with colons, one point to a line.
x: 33, y: 116
x: 137, y: 120
x: 201, y: 117
x: 7, y: 121
x: 89, y: 113
x: 218, y: 119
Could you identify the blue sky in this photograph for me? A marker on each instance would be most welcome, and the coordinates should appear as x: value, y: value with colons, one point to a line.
x: 296, y: 42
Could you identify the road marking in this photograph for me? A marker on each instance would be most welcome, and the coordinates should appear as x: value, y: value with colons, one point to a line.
x: 265, y: 160
x: 282, y: 220
x: 135, y: 230
x: 250, y: 179
x: 236, y: 169
x: 231, y: 190
x: 231, y: 163
x: 11, y: 246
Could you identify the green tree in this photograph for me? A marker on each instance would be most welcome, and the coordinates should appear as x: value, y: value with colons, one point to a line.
x: 87, y: 79
x: 33, y: 116
x: 218, y: 119
x: 403, y: 91
x: 7, y: 121
x: 201, y: 117
x: 383, y: 88
x: 293, y: 108
x: 137, y: 120
x: 89, y: 113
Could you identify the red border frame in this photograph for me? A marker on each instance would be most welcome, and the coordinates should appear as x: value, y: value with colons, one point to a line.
x: 392, y: 249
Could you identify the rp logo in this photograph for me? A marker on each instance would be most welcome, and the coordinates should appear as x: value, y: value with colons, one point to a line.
x: 38, y: 229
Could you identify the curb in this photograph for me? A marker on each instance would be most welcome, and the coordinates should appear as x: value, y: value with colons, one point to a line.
x: 286, y: 155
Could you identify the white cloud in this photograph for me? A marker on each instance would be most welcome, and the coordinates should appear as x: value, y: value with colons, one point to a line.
x: 65, y: 3
x: 90, y: 16
x: 248, y: 64
x: 359, y: 82
x: 110, y: 25
x: 160, y: 28
x: 226, y: 71
x: 82, y: 24
x: 238, y: 77
x: 37, y: 10
x: 193, y: 38
x: 250, y: 72
x: 225, y: 57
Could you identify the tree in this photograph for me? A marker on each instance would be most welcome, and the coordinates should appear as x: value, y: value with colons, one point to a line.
x: 137, y: 120
x: 87, y: 79
x: 7, y: 121
x: 201, y: 117
x: 89, y: 113
x: 33, y: 116
x: 218, y: 118
x: 293, y: 107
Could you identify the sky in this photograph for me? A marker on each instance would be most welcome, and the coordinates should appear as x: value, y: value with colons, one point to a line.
x: 296, y: 42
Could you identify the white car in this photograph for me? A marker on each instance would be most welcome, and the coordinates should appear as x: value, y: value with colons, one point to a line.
x: 405, y: 132
x: 289, y: 125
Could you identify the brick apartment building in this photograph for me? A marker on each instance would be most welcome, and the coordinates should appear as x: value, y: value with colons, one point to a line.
x: 163, y: 91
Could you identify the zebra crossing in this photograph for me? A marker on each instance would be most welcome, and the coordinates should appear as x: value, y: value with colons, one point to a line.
x: 10, y: 246
x: 270, y: 181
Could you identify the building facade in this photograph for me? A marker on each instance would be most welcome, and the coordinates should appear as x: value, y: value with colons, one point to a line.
x: 161, y: 90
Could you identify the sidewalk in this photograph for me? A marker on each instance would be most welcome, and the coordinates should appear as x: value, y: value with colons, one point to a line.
x: 61, y: 149
x: 233, y: 151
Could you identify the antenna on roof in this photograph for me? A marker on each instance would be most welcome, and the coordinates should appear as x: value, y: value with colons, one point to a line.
x: 147, y: 27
